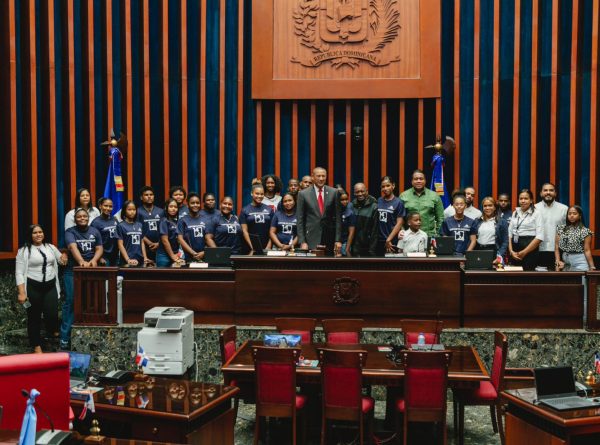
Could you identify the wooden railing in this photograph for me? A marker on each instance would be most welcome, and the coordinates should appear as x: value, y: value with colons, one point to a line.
x: 95, y: 295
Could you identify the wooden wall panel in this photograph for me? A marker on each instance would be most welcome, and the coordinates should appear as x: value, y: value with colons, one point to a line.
x: 286, y: 135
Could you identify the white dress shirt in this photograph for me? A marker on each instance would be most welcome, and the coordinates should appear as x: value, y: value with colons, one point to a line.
x: 527, y: 223
x: 553, y: 216
x: 413, y: 241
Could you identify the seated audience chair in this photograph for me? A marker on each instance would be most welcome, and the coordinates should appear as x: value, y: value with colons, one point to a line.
x: 343, y: 331
x: 276, y: 395
x: 341, y: 380
x: 425, y: 385
x: 305, y: 327
x: 430, y: 328
x: 49, y: 374
x: 488, y: 393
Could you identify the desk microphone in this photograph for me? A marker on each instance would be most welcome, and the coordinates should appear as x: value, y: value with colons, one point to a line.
x: 25, y: 394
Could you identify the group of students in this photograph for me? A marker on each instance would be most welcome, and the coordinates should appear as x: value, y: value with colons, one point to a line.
x: 547, y: 234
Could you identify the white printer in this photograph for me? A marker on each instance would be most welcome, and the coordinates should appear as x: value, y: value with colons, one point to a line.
x: 167, y: 340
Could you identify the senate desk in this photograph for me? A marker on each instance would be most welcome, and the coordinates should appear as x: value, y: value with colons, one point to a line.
x: 256, y: 289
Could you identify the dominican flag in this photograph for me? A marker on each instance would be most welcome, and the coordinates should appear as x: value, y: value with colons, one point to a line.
x: 87, y: 406
x: 114, y: 187
x: 141, y: 359
x: 438, y: 184
x: 597, y: 362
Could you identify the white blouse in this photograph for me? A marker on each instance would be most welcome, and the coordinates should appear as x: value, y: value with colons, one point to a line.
x: 527, y: 223
x: 29, y: 265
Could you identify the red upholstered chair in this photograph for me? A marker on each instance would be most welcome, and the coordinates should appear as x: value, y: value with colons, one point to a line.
x: 488, y: 393
x: 425, y: 385
x: 430, y: 328
x: 343, y: 331
x: 276, y: 396
x: 227, y: 339
x: 304, y: 327
x: 49, y: 374
x: 341, y: 380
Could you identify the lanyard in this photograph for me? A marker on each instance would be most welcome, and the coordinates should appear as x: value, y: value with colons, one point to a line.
x: 520, y: 221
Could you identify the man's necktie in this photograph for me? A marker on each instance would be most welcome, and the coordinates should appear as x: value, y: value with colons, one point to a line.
x: 321, y: 203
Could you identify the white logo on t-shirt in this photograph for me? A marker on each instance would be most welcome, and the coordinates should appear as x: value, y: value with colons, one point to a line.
x: 383, y: 216
x: 135, y: 239
x: 152, y: 225
x: 231, y: 228
x: 198, y: 232
x: 459, y: 235
x: 111, y: 232
x: 259, y: 218
x: 286, y: 229
x: 86, y: 246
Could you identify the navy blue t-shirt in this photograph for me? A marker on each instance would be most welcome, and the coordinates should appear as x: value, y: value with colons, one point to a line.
x: 348, y: 220
x: 286, y: 226
x: 461, y: 231
x: 258, y: 219
x: 168, y: 228
x: 150, y: 221
x: 193, y: 231
x: 389, y: 212
x: 226, y: 232
x: 183, y: 211
x: 108, y: 230
x: 209, y: 213
x: 131, y: 234
x: 87, y: 240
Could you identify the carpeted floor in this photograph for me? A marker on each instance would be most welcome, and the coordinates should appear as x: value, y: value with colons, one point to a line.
x: 478, y: 429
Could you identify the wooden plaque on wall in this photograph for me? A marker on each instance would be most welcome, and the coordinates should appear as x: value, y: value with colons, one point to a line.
x: 345, y: 49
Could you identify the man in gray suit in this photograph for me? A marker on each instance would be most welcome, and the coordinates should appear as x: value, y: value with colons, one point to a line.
x: 318, y: 211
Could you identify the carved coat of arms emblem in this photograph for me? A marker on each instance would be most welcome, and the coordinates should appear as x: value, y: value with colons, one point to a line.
x: 346, y: 291
x: 346, y: 32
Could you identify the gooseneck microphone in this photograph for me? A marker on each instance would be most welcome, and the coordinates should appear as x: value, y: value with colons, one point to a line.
x: 25, y: 394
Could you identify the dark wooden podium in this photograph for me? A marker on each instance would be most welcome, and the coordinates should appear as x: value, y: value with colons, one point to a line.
x: 531, y: 424
x: 164, y: 410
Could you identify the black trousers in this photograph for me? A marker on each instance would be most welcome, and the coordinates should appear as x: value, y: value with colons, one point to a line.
x: 531, y: 260
x: 44, y: 300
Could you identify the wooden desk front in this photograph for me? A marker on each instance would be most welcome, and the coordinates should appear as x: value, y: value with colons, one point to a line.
x: 380, y: 290
x: 166, y: 410
x: 530, y: 424
x: 523, y: 299
x: 466, y: 368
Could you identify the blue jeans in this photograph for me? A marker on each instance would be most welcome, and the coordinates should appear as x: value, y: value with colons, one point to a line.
x: 67, y: 308
x: 162, y: 259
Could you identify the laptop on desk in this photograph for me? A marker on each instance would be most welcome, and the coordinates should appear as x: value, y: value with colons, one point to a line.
x: 444, y: 245
x: 556, y: 388
x: 257, y: 246
x: 218, y: 256
x: 480, y: 260
x: 79, y: 367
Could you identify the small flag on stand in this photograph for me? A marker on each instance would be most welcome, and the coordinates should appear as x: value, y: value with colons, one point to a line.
x: 87, y: 406
x: 597, y: 362
x: 140, y: 359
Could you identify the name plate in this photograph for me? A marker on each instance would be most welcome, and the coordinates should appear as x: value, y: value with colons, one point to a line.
x: 276, y: 253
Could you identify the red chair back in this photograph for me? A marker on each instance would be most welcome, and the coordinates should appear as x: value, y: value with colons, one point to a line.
x: 275, y: 380
x: 227, y: 339
x: 425, y: 384
x: 305, y: 327
x: 431, y: 329
x: 49, y: 374
x: 343, y: 331
x: 499, y: 363
x: 341, y: 380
